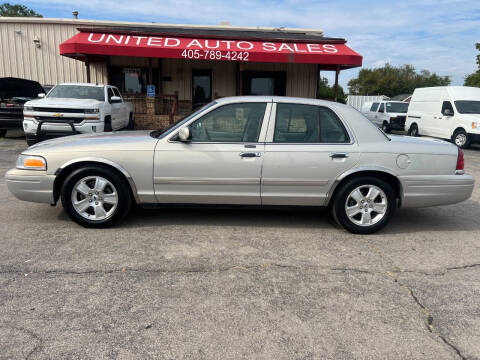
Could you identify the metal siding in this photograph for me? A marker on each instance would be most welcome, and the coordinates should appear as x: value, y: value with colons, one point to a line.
x: 20, y: 58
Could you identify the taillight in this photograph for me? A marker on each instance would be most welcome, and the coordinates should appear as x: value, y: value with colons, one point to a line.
x: 460, y: 161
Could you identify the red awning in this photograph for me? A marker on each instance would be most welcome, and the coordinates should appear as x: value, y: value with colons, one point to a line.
x: 96, y: 43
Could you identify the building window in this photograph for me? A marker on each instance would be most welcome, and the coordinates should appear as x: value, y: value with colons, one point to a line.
x: 265, y: 83
x: 132, y: 80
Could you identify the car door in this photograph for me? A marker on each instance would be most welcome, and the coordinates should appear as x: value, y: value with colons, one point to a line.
x: 379, y: 115
x: 307, y: 148
x: 445, y: 123
x: 123, y: 112
x: 373, y: 111
x: 116, y: 110
x: 222, y: 162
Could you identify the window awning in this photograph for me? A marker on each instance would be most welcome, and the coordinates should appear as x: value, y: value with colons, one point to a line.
x: 328, y: 55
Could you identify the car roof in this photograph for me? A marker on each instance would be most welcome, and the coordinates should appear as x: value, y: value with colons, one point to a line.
x: 84, y: 84
x: 297, y: 100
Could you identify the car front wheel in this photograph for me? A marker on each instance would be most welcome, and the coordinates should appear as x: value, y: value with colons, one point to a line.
x: 364, y: 205
x: 94, y: 196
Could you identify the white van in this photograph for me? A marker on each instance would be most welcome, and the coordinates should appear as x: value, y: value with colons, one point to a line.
x: 446, y: 112
x: 389, y: 115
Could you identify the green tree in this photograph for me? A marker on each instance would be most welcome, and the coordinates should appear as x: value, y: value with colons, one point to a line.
x: 327, y: 92
x: 390, y: 80
x: 17, y: 10
x: 474, y: 79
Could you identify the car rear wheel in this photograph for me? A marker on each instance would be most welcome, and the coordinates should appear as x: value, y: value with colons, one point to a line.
x: 413, y: 131
x: 364, y: 205
x: 461, y: 139
x: 108, y: 124
x: 94, y: 196
x: 131, y: 122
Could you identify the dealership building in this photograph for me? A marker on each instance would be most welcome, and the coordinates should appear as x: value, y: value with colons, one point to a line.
x: 168, y: 70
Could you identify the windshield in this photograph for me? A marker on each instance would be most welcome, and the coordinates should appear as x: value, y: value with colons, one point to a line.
x: 397, y: 107
x: 77, y: 92
x: 468, y: 106
x: 160, y: 133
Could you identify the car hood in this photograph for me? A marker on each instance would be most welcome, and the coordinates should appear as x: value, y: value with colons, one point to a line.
x: 110, y: 141
x: 74, y: 103
x: 470, y: 117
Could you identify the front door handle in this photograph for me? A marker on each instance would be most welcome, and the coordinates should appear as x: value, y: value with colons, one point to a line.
x: 250, y: 154
x: 338, y: 155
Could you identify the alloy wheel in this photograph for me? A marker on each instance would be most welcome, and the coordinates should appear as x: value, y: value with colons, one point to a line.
x: 366, y: 205
x: 94, y: 198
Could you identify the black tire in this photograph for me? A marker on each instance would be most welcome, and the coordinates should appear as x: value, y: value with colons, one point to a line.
x: 413, y: 131
x: 108, y: 124
x: 131, y: 122
x: 461, y: 139
x: 31, y: 142
x: 339, y: 211
x: 386, y: 127
x: 120, y: 185
x: 3, y: 132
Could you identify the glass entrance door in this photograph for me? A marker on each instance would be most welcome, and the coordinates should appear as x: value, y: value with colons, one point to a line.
x: 201, y: 87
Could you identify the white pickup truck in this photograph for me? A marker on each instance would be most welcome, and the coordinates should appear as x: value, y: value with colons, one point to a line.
x: 76, y: 108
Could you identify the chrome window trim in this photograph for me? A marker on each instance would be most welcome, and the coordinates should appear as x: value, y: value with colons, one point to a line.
x: 261, y: 134
x: 269, y: 139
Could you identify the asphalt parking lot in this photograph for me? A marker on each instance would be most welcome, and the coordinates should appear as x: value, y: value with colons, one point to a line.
x: 238, y: 284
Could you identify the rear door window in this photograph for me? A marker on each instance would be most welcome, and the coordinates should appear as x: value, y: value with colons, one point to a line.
x: 299, y: 123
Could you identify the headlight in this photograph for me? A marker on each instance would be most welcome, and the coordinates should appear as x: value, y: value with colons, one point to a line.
x: 91, y: 111
x: 30, y: 162
x: 475, y: 124
x: 28, y: 108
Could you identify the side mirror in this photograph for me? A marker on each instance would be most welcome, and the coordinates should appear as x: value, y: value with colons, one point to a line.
x: 448, y: 112
x: 184, y: 134
x: 115, y: 99
x: 41, y: 95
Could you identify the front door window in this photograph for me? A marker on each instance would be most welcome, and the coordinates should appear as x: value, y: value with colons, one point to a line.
x: 230, y: 123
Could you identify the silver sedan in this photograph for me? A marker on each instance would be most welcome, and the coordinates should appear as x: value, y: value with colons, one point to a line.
x: 257, y: 151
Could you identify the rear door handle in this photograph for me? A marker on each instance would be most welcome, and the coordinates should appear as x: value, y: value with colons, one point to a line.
x: 250, y: 154
x: 339, y: 155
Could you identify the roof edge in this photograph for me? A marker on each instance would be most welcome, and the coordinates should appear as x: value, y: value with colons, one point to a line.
x: 79, y: 22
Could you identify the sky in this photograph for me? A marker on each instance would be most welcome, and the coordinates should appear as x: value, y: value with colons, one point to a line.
x: 436, y: 35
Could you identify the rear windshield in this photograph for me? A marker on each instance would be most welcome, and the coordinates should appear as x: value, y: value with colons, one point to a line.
x: 77, y: 92
x: 397, y: 107
x: 468, y: 106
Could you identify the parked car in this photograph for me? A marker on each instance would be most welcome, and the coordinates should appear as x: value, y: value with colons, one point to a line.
x: 446, y: 112
x: 389, y: 115
x: 246, y: 151
x: 76, y: 108
x: 14, y: 92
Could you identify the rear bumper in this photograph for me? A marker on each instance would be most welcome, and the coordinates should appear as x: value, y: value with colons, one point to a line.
x: 31, y: 185
x: 6, y: 124
x: 433, y: 190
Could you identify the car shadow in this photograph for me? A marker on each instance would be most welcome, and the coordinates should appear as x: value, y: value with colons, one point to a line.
x: 252, y: 217
x: 459, y: 217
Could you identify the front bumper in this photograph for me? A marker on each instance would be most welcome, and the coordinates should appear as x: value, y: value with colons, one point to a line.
x: 31, y: 185
x: 433, y: 190
x: 51, y: 130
